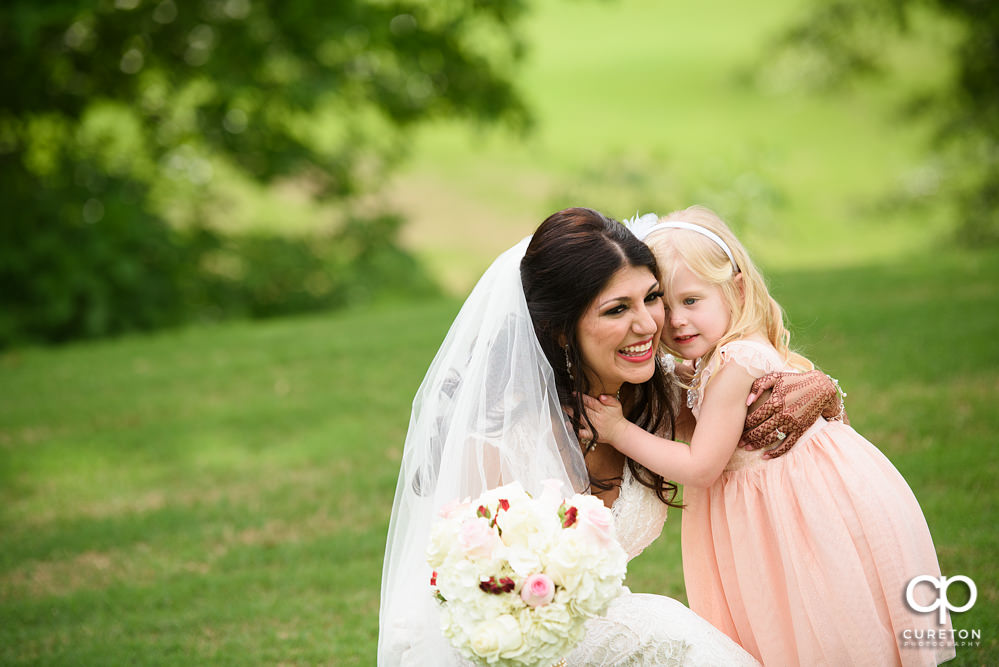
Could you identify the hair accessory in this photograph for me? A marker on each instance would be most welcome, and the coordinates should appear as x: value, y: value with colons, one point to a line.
x: 642, y: 225
x: 703, y: 231
x: 691, y: 227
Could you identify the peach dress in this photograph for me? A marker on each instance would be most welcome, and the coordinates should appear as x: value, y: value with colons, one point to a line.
x: 805, y: 559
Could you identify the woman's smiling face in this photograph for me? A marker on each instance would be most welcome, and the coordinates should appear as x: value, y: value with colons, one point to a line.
x: 619, y: 331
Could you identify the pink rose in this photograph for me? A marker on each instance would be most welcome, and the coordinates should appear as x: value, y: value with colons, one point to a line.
x: 599, y: 522
x: 477, y: 538
x: 453, y: 507
x: 538, y: 590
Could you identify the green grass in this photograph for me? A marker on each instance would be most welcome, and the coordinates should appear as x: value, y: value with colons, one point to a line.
x: 221, y: 494
x: 212, y: 494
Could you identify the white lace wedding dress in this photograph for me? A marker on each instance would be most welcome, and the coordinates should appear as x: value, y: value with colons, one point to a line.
x: 645, y: 630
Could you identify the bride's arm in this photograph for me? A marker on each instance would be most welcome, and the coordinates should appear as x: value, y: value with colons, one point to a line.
x: 786, y: 404
x: 723, y: 413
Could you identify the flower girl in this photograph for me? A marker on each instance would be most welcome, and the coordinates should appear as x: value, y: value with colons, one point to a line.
x: 802, y: 559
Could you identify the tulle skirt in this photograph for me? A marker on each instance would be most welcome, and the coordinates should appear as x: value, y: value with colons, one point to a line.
x: 805, y: 559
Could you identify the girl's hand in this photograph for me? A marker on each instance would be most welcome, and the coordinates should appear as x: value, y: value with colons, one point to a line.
x: 607, y: 417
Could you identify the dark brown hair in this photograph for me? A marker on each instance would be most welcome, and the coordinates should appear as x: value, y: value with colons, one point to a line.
x: 570, y: 259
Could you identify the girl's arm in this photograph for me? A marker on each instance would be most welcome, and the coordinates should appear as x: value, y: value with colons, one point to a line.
x: 716, y: 435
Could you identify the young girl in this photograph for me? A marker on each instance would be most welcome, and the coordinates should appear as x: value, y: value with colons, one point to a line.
x: 802, y: 559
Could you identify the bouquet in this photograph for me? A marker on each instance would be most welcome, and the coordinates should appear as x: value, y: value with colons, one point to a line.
x: 517, y: 576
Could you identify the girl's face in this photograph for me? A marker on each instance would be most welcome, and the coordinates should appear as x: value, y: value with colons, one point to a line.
x: 697, y: 315
x: 619, y: 331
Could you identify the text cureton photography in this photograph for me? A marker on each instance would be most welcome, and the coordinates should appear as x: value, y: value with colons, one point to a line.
x: 942, y: 605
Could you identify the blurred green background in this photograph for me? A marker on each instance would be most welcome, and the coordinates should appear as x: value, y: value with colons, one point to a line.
x: 236, y: 232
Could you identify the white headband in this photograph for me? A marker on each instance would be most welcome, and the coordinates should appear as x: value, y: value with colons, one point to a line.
x: 644, y: 226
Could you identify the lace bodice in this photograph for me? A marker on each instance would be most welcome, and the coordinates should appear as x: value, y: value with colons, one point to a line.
x: 638, y: 515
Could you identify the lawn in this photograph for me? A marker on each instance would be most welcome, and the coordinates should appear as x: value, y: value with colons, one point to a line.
x: 210, y: 495
x: 221, y: 494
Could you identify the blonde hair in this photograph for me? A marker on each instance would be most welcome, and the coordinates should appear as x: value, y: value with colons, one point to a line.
x: 753, y: 309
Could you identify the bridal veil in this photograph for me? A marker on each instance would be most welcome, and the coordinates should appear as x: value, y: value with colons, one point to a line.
x: 487, y: 413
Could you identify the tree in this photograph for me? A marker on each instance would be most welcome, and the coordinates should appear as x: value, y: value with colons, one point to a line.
x: 848, y: 37
x: 121, y: 115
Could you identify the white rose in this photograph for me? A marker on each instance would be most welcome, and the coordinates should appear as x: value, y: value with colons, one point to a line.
x: 519, y: 524
x: 442, y: 538
x: 523, y: 560
x: 486, y: 642
x: 496, y: 636
x: 573, y: 554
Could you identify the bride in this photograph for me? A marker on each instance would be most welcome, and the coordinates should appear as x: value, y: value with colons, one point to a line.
x: 573, y: 309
